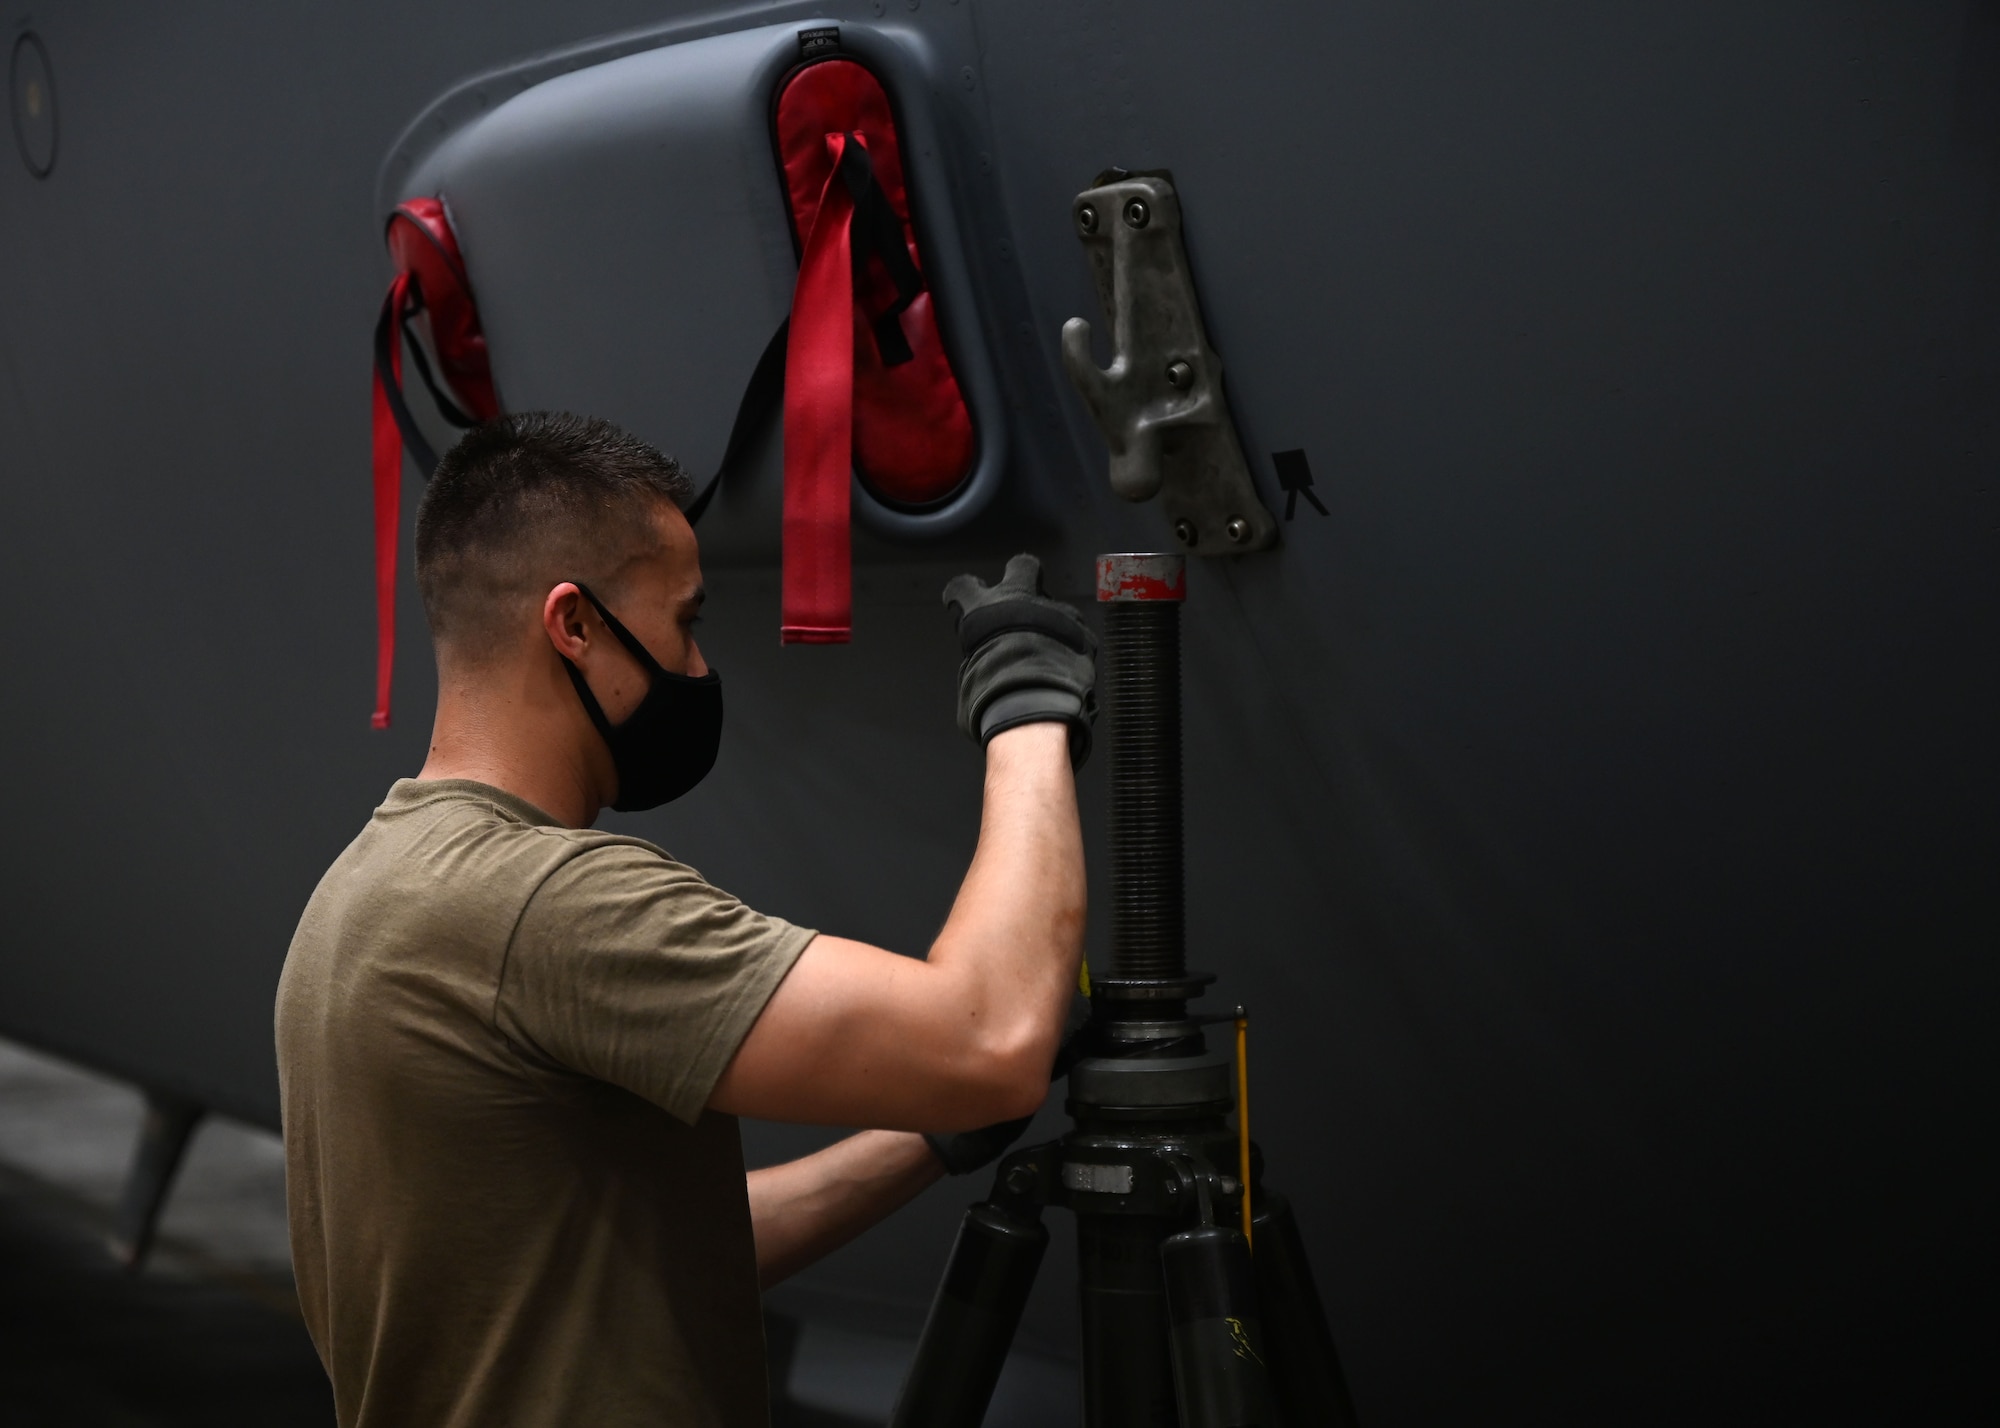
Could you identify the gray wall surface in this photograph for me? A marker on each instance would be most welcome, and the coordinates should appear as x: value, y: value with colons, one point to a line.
x: 1596, y: 809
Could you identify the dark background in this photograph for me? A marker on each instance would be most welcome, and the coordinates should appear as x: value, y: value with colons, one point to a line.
x: 1596, y: 809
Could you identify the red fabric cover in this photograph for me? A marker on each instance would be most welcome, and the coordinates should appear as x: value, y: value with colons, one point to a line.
x: 912, y: 433
x: 909, y: 435
x: 422, y: 244
x: 430, y: 274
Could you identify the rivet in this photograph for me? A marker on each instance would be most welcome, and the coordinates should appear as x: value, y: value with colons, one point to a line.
x: 1137, y: 214
x: 1238, y: 528
x: 1180, y: 376
x: 1086, y: 218
x: 1185, y: 529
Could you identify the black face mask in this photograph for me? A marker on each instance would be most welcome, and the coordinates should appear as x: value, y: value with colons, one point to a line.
x: 667, y: 745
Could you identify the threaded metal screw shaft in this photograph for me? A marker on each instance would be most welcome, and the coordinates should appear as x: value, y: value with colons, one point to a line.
x: 1142, y: 686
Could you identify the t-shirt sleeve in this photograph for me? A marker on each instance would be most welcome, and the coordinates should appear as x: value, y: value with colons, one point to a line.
x: 630, y: 967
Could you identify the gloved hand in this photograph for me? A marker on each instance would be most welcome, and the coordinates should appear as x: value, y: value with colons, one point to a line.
x: 1028, y: 659
x: 965, y: 1151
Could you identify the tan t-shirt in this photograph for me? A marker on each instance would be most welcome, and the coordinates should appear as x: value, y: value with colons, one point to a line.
x: 496, y: 1040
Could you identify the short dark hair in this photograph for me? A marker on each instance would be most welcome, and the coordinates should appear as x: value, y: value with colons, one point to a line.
x: 524, y: 502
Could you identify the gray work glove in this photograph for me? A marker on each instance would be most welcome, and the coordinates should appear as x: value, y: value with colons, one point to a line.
x: 1028, y: 659
x: 966, y: 1151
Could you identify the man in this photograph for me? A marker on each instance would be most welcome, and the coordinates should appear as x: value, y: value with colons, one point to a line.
x: 512, y: 1049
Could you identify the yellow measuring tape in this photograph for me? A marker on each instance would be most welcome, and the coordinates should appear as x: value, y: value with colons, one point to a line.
x: 1243, y: 1116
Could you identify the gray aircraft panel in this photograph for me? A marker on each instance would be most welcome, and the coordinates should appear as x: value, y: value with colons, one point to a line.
x: 1595, y: 808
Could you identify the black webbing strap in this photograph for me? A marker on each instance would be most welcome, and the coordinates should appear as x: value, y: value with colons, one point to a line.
x: 760, y: 398
x: 388, y: 328
x: 447, y: 408
x: 388, y: 331
x: 877, y: 232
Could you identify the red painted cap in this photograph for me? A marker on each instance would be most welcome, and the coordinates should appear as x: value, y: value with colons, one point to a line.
x: 1142, y: 577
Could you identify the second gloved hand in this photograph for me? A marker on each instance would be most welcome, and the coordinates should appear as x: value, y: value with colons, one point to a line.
x: 963, y: 1152
x: 1028, y: 659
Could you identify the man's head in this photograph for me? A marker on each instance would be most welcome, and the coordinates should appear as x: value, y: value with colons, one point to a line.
x: 527, y: 502
x: 523, y: 510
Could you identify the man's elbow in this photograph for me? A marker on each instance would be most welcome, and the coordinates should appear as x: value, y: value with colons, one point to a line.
x: 1013, y: 1080
x: 1021, y: 1096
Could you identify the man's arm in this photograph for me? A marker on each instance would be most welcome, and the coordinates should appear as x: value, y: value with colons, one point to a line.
x: 856, y: 1035
x: 806, y: 1209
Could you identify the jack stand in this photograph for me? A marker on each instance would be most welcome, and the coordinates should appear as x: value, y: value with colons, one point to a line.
x: 163, y: 1139
x: 1171, y: 1294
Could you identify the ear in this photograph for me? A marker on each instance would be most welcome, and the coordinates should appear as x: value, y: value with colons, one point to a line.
x: 564, y: 619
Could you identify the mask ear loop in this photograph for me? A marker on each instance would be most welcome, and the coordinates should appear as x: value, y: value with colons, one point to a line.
x: 626, y: 638
x: 590, y: 704
x: 654, y: 669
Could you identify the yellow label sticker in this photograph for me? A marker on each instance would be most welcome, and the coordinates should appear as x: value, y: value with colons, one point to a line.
x: 1239, y: 1341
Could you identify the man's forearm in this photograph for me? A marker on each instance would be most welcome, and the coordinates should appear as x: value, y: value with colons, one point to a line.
x: 808, y: 1208
x: 1016, y: 928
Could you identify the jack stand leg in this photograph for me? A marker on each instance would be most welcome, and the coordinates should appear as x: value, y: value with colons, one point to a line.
x: 1128, y: 1371
x: 976, y: 1312
x: 1305, y: 1369
x: 163, y: 1140
x: 1221, y: 1372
